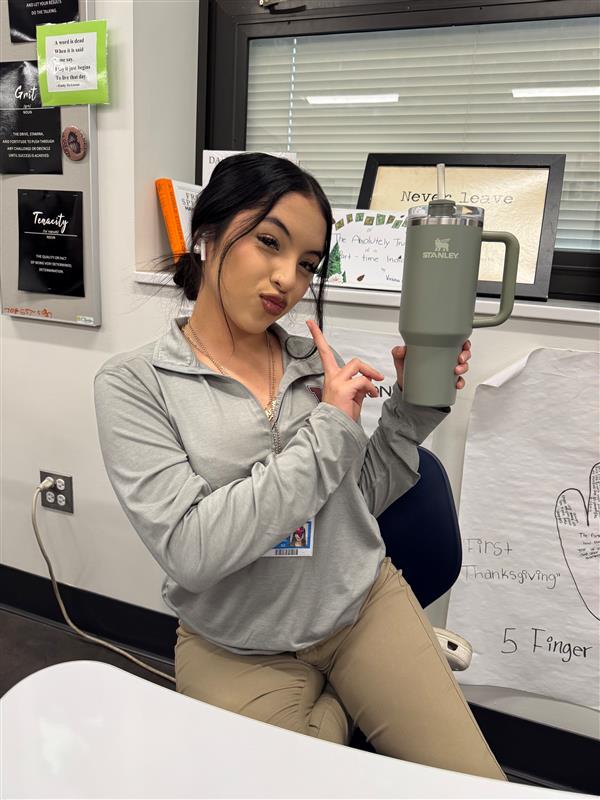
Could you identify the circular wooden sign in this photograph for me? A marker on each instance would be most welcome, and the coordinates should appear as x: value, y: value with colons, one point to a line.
x: 73, y: 143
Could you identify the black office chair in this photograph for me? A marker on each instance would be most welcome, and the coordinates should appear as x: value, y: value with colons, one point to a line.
x: 421, y: 533
x: 422, y: 538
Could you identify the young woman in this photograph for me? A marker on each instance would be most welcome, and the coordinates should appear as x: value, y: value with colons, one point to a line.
x: 227, y: 434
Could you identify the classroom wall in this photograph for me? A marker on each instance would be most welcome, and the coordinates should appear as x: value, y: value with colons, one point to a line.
x: 148, y: 131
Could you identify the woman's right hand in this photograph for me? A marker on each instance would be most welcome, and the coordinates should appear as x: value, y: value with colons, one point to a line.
x: 340, y: 388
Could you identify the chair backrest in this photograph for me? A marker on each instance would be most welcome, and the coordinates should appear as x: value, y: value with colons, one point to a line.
x: 421, y: 533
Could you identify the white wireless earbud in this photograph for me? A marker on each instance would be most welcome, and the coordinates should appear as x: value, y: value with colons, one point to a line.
x: 200, y: 248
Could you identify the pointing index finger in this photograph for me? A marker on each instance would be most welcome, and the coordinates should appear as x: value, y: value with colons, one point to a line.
x: 325, y: 351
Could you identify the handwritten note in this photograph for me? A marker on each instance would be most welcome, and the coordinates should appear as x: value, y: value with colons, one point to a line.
x: 367, y: 249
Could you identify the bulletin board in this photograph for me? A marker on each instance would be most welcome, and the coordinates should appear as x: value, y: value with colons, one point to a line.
x: 49, y: 274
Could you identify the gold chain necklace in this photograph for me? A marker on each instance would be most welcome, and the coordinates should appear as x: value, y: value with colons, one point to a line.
x: 269, y: 409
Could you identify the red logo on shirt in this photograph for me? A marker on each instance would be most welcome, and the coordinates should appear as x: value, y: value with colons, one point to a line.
x: 317, y: 391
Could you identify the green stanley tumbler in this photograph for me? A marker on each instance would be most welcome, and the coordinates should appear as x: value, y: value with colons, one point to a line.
x: 439, y: 287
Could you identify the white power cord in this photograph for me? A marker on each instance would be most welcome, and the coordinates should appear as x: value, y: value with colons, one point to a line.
x: 47, y: 484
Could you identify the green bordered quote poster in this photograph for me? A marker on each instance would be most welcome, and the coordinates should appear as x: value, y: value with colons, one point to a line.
x: 72, y: 63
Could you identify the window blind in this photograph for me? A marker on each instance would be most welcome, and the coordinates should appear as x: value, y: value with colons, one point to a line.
x: 455, y: 88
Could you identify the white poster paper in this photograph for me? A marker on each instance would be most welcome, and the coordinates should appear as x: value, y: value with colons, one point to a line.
x: 529, y: 590
x: 367, y: 248
x: 210, y: 159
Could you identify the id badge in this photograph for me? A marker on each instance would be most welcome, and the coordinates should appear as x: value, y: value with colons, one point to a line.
x: 298, y: 543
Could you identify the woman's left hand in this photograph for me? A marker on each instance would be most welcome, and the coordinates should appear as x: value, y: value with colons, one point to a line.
x: 399, y: 354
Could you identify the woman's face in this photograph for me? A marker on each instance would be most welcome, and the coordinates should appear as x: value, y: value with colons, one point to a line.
x: 278, y: 257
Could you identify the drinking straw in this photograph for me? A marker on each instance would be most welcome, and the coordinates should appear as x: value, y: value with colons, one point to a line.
x: 441, y: 183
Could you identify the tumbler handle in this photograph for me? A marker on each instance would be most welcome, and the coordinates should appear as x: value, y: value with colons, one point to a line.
x: 509, y: 278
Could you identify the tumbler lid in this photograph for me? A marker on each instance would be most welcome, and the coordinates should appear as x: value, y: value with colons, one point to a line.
x: 445, y: 212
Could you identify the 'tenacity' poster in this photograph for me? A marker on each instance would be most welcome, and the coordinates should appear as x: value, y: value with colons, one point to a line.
x: 51, y: 242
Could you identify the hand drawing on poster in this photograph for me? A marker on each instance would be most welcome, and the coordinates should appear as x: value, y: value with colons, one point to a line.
x: 578, y: 525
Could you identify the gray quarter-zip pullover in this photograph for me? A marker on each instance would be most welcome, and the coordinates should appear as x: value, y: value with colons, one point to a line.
x: 190, y: 455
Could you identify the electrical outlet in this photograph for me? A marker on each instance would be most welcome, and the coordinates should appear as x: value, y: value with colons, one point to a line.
x: 60, y: 496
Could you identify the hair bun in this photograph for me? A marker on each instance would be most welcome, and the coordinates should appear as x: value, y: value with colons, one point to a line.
x: 186, y: 275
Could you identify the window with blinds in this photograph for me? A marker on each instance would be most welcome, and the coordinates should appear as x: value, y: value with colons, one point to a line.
x: 497, y: 88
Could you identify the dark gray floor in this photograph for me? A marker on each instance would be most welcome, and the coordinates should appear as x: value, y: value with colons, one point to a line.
x: 30, y: 644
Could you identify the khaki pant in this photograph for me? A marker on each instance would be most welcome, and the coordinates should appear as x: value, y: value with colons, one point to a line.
x: 387, y: 672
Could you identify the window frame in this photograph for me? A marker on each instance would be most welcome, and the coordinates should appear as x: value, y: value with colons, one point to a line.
x: 226, y: 28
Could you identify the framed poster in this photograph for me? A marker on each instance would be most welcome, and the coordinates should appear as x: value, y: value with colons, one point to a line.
x: 519, y: 194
